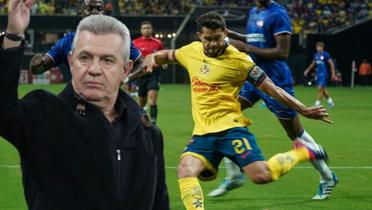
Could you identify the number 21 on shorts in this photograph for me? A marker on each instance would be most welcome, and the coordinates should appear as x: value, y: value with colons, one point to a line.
x: 241, y: 145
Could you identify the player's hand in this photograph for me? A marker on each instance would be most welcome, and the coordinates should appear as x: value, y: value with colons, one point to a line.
x: 334, y: 77
x: 19, y: 15
x: 241, y: 46
x: 317, y: 113
x: 36, y: 64
x: 149, y: 63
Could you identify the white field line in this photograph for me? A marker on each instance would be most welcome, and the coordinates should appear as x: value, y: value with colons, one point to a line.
x: 298, y: 167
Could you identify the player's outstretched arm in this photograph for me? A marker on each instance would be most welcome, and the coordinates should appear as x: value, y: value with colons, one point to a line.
x: 309, y: 68
x: 315, y: 112
x: 159, y: 58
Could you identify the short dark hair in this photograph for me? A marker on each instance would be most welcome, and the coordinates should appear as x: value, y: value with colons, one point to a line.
x: 321, y: 44
x: 146, y: 22
x: 211, y: 20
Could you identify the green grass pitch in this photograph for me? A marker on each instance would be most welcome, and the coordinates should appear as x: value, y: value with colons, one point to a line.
x: 348, y: 142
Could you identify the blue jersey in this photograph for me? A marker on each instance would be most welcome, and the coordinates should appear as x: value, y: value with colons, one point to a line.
x: 262, y: 27
x: 321, y: 61
x: 62, y: 48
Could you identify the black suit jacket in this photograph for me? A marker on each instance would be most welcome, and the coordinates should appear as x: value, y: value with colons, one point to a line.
x: 66, y: 161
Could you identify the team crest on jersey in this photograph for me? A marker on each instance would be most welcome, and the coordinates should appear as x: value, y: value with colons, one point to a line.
x: 260, y: 23
x: 204, y: 70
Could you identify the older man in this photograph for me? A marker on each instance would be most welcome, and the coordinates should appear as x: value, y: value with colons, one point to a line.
x: 89, y: 147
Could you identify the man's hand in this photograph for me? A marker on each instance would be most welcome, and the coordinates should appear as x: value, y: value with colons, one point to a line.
x: 19, y: 16
x: 316, y: 113
x: 36, y: 64
x: 334, y: 77
x: 149, y: 63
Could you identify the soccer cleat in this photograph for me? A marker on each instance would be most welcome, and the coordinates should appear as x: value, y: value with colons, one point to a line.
x: 227, y: 185
x: 325, y: 188
x: 316, y: 151
x: 330, y: 105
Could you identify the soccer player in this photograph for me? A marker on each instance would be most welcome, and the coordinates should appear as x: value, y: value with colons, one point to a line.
x: 217, y: 71
x: 268, y: 42
x: 321, y: 61
x: 148, y: 85
x: 41, y: 63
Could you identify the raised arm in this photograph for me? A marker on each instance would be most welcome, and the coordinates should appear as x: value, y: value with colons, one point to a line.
x: 11, y: 54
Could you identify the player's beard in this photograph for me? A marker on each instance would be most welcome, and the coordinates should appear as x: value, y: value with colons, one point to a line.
x: 215, y: 52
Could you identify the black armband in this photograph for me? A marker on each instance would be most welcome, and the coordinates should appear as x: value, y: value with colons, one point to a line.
x: 256, y: 75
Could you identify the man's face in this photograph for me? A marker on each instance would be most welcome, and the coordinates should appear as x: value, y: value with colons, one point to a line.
x: 319, y: 48
x: 97, y: 66
x: 213, y: 41
x: 92, y: 7
x: 146, y: 30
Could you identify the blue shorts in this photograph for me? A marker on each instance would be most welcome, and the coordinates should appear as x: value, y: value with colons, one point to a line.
x: 252, y: 95
x: 321, y: 80
x: 237, y: 144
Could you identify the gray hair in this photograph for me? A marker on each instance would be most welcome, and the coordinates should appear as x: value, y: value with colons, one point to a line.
x: 103, y: 24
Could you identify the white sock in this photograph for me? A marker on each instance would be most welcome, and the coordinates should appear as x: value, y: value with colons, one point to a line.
x: 317, y: 103
x: 233, y: 171
x: 324, y: 171
x: 329, y: 100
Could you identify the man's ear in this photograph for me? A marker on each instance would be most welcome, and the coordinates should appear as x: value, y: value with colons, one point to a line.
x: 127, y: 69
x: 198, y: 34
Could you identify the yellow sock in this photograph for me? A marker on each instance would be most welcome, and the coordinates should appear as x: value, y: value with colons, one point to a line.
x: 281, y: 163
x: 191, y: 193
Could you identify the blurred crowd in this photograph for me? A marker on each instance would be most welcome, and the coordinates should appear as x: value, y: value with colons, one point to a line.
x: 308, y: 16
x: 324, y: 16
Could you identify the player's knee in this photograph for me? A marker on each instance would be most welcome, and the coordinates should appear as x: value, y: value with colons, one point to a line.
x: 186, y: 170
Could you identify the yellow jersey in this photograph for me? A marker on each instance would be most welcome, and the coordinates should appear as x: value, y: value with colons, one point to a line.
x: 215, y: 85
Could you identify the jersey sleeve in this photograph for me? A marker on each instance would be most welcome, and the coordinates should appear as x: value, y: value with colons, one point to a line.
x: 181, y: 55
x: 57, y: 52
x: 281, y: 24
x: 134, y: 52
x: 327, y: 56
x: 246, y: 64
x: 252, y: 73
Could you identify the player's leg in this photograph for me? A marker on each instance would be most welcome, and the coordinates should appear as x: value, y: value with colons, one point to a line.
x: 328, y: 97
x: 241, y: 147
x: 153, y: 88
x: 319, y: 97
x: 199, y: 160
x: 235, y: 178
x: 191, y: 192
x: 290, y: 121
x: 142, y: 93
